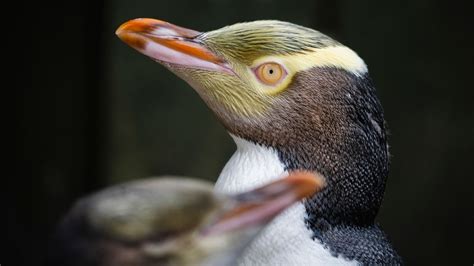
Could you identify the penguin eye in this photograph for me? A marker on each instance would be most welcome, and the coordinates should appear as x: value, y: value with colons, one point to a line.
x: 270, y: 73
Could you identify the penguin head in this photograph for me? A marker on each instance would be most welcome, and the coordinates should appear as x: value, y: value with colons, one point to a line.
x: 171, y: 221
x: 289, y: 88
x: 243, y: 71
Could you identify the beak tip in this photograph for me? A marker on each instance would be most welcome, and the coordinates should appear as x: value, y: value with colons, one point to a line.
x: 308, y: 183
x: 134, y: 25
x: 122, y: 29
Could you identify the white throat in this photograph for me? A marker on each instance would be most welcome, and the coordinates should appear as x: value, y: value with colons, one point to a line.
x: 251, y: 166
x: 286, y: 240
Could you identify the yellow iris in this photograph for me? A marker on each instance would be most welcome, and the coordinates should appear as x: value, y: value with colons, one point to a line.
x: 270, y: 73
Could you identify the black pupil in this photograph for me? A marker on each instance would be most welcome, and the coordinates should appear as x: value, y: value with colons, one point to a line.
x: 270, y: 71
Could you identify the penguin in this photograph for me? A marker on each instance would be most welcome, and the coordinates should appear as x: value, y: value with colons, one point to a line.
x: 171, y: 221
x: 292, y: 98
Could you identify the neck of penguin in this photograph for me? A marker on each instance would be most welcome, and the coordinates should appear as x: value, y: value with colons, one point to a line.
x: 287, y: 240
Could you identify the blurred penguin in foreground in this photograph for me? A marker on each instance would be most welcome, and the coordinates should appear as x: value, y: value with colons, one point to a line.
x: 171, y: 221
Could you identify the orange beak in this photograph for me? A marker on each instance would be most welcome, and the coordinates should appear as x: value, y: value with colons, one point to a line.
x: 168, y: 43
x: 258, y: 206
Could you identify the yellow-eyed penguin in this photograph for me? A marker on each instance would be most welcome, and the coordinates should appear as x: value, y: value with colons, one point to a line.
x: 292, y: 98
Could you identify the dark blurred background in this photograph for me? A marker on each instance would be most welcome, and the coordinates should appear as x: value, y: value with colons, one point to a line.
x: 95, y: 112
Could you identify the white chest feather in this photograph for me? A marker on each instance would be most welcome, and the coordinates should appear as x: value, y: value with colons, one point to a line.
x: 286, y: 240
